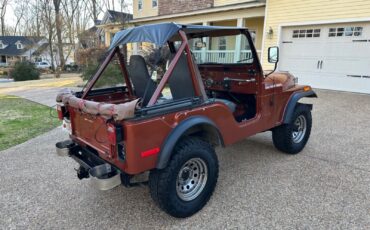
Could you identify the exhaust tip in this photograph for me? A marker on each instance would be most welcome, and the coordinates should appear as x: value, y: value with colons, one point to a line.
x: 63, y: 147
x: 104, y: 177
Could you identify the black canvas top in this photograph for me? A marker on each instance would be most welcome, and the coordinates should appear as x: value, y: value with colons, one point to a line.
x: 159, y: 34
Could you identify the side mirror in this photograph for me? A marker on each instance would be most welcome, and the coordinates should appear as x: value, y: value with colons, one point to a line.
x: 273, y: 56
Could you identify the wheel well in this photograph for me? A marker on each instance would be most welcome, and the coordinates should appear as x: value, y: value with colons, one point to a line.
x: 293, y: 102
x: 207, y: 133
x: 196, y: 126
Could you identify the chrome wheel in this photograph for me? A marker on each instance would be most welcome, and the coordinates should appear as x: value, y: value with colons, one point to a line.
x: 300, y: 127
x: 191, y: 179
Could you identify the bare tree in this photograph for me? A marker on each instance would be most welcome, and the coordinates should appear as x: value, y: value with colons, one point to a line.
x: 94, y: 7
x: 3, y: 6
x: 94, y: 10
x: 124, y: 5
x: 48, y: 19
x: 58, y: 27
x: 19, y: 12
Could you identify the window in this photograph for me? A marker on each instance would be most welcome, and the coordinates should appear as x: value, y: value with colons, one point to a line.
x: 222, y: 43
x: 348, y: 31
x: 316, y: 33
x: 1, y: 45
x: 154, y: 3
x: 19, y: 46
x: 245, y: 44
x: 340, y: 32
x: 221, y: 46
x: 358, y: 31
x: 309, y: 33
x: 111, y: 37
x: 140, y: 4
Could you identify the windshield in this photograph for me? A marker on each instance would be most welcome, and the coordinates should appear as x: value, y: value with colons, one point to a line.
x: 222, y: 50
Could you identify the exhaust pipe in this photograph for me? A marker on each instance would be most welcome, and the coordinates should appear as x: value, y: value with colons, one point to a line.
x: 63, y: 147
x: 103, y: 176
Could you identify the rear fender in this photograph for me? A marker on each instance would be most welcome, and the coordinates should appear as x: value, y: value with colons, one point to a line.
x: 196, y: 125
x: 293, y: 101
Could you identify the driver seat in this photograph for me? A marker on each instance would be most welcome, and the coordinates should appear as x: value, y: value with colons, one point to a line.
x: 181, y: 85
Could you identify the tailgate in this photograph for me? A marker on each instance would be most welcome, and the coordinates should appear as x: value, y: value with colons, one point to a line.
x: 90, y: 129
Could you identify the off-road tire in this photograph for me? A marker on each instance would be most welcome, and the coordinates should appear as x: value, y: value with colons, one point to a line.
x: 282, y: 135
x: 163, y: 183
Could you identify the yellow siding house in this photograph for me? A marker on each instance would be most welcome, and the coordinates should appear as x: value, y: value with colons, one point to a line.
x: 325, y: 43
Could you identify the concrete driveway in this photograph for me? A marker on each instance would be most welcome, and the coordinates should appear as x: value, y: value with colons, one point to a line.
x: 327, y: 186
x: 42, y: 91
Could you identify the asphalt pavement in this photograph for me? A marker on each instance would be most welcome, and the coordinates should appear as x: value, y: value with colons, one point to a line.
x: 327, y: 186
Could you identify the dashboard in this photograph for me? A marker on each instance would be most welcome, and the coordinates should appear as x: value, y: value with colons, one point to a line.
x: 234, y: 79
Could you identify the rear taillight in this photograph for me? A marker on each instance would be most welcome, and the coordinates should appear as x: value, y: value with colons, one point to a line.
x: 60, y: 112
x: 112, y: 136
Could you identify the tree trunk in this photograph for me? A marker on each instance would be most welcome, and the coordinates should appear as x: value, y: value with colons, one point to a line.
x: 95, y: 14
x: 3, y: 6
x: 50, y: 40
x: 58, y: 25
x: 2, y: 26
x: 37, y: 19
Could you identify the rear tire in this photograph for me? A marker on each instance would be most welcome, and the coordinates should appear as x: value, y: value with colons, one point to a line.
x: 292, y: 138
x: 187, y: 183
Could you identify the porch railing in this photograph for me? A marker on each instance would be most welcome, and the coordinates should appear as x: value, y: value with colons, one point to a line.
x: 220, y: 56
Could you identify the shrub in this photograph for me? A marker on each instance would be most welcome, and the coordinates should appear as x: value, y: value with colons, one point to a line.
x: 4, y: 72
x: 112, y: 75
x: 24, y: 71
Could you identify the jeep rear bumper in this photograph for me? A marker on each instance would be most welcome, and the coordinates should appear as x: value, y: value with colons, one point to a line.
x: 103, y: 176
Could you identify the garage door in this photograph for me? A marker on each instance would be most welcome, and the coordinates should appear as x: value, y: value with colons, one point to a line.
x: 335, y: 56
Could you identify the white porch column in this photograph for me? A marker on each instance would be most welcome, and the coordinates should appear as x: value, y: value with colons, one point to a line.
x: 238, y: 41
x: 204, y: 49
x: 134, y: 49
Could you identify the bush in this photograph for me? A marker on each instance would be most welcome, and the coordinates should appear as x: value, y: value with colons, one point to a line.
x: 112, y: 75
x: 24, y: 71
x: 4, y: 72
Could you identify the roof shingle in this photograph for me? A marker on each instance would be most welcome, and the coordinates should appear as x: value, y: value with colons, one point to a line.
x: 11, y: 47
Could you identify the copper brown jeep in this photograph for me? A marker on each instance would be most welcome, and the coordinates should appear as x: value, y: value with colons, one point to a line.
x: 165, y: 117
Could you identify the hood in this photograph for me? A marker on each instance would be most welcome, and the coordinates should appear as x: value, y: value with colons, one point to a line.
x: 282, y: 79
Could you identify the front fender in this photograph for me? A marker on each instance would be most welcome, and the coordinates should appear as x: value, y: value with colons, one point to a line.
x: 175, y: 135
x: 289, y: 110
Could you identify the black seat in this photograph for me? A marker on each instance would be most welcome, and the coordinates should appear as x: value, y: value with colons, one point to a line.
x: 180, y: 82
x: 143, y: 84
x: 182, y: 87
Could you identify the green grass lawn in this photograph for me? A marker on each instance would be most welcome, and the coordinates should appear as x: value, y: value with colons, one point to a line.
x: 21, y: 120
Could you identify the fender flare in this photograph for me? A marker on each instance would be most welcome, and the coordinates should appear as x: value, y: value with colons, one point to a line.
x: 175, y: 135
x: 289, y: 110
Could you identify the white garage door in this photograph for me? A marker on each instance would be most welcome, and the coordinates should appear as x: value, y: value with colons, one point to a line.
x: 334, y: 56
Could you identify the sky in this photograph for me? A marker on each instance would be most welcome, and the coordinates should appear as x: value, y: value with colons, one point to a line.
x: 11, y: 19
